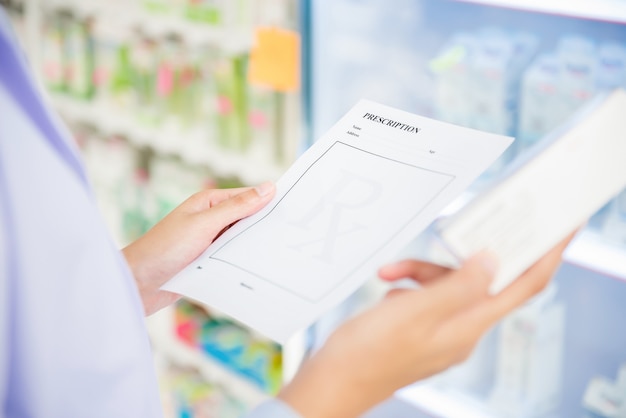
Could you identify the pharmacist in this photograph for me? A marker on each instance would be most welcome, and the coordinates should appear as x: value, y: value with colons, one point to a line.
x: 72, y: 338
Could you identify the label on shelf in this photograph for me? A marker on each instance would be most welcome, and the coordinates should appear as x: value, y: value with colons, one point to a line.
x: 275, y: 59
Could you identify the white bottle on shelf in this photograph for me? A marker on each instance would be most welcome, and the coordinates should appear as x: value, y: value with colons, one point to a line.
x: 451, y: 67
x: 529, y: 360
x: 611, y: 66
x: 539, y: 100
x: 489, y: 81
x: 577, y: 55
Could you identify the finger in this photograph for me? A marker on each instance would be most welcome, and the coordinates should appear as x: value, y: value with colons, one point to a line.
x: 462, y: 288
x: 419, y: 271
x: 212, y: 197
x: 531, y: 282
x: 239, y: 205
x: 391, y: 293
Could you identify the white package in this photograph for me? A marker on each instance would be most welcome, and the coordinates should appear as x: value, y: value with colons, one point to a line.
x: 549, y: 195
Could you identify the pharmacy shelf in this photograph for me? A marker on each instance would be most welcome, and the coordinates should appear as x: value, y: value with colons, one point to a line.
x: 161, y: 331
x: 129, y: 16
x: 212, y: 312
x: 604, y: 10
x: 193, y: 146
x: 443, y: 403
x: 592, y: 251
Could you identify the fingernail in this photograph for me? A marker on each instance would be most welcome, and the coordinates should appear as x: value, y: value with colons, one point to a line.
x: 264, y: 189
x: 489, y: 261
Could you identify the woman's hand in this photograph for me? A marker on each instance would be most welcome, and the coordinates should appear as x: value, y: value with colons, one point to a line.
x: 184, y: 234
x: 410, y: 334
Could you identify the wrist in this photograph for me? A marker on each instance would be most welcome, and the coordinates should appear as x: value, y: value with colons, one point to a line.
x: 331, y: 385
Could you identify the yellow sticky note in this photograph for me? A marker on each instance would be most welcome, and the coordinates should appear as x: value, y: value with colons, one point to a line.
x: 275, y: 59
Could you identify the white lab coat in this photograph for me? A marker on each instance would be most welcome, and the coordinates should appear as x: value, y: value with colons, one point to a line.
x: 72, y: 334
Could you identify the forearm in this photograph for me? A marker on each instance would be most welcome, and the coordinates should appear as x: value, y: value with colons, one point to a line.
x: 317, y: 395
x: 142, y: 267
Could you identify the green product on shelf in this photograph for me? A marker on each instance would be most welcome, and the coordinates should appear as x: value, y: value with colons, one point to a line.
x: 53, y: 55
x: 205, y: 11
x: 137, y: 206
x: 265, y: 118
x: 187, y: 81
x: 143, y: 63
x: 79, y: 53
x: 202, y: 93
x: 232, y: 109
x: 241, y: 103
x: 170, y: 77
x: 195, y: 397
x: 122, y: 77
x: 166, y: 7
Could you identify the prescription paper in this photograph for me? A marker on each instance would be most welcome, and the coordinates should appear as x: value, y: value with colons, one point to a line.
x: 348, y: 205
x: 548, y: 196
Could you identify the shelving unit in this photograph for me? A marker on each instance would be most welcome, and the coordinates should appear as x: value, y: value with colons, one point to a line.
x: 604, y: 10
x: 590, y: 250
x: 252, y: 167
x: 160, y: 328
x: 414, y: 35
x: 443, y: 403
x: 129, y: 16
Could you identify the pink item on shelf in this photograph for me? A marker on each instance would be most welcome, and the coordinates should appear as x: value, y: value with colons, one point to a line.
x: 187, y: 332
x: 52, y: 71
x: 100, y: 75
x: 224, y: 105
x: 165, y: 80
x: 257, y: 119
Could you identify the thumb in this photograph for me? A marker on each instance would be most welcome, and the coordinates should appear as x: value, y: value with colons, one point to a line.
x: 463, y: 287
x: 480, y: 267
x: 240, y: 205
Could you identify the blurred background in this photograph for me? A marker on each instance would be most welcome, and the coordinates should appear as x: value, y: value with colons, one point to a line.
x: 166, y: 97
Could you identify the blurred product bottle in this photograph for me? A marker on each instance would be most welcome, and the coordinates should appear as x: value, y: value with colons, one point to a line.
x: 137, y: 204
x: 53, y: 60
x: 264, y: 121
x: 79, y: 50
x: 186, y: 84
x: 122, y: 77
x: 172, y: 182
x: 110, y: 163
x: 495, y: 73
x: 611, y: 69
x: 169, y: 76
x: 451, y: 67
x: 491, y: 99
x: 203, y: 92
x: 528, y: 377
x: 540, y: 100
x: 143, y: 62
x: 577, y: 55
x: 232, y: 109
x: 108, y: 39
x: 605, y: 398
